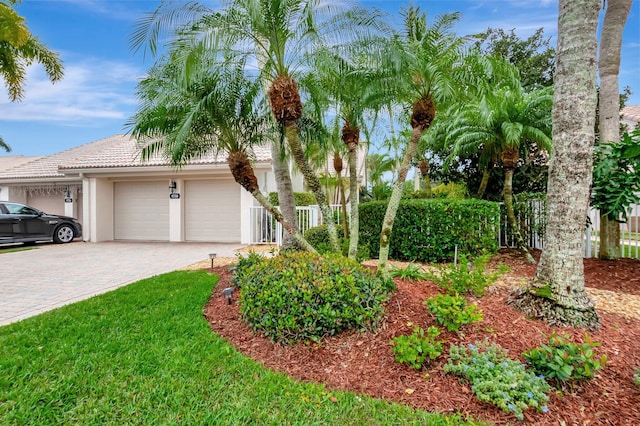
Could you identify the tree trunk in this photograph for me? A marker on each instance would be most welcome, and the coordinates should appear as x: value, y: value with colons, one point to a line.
x: 354, y: 219
x: 343, y: 208
x: 511, y: 217
x: 483, y: 183
x: 394, y: 201
x: 609, y: 106
x: 609, y: 238
x: 285, y: 193
x: 557, y: 293
x: 293, y: 139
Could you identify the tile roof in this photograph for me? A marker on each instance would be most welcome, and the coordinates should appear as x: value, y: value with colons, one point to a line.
x: 115, y: 151
x: 9, y: 162
x: 631, y: 113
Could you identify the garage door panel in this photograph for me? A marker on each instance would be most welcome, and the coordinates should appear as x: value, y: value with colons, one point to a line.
x: 212, y: 210
x: 141, y: 211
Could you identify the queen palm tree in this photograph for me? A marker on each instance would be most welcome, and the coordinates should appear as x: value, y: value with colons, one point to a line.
x: 4, y: 146
x: 423, y: 58
x: 186, y: 113
x: 501, y: 124
x: 19, y: 49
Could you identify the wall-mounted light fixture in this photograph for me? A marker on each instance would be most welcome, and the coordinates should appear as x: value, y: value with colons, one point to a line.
x: 67, y: 193
x: 172, y: 186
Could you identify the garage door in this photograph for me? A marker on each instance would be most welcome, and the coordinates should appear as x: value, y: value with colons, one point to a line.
x: 141, y: 211
x: 212, y: 210
x: 52, y: 203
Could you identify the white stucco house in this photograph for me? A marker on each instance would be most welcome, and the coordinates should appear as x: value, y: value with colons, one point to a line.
x: 117, y: 196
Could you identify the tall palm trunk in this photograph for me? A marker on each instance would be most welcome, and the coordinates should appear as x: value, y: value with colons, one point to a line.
x: 244, y: 175
x: 338, y: 166
x: 483, y: 183
x: 510, y: 161
x: 285, y: 193
x: 609, y: 68
x: 424, y: 111
x: 351, y: 137
x: 557, y: 292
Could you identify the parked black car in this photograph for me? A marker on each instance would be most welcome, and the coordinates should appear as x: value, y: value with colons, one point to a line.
x: 24, y: 224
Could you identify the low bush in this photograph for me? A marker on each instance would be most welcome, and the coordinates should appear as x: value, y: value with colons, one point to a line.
x: 497, y: 379
x: 636, y: 376
x: 412, y: 272
x: 466, y: 277
x: 452, y: 312
x: 244, y: 263
x: 563, y: 360
x: 299, y: 296
x: 429, y: 230
x: 416, y: 348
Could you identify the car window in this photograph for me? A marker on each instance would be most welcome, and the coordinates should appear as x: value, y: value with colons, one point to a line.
x: 20, y: 209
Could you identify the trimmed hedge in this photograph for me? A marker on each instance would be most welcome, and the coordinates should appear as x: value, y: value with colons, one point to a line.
x: 429, y: 230
x: 318, y: 237
x: 299, y: 296
x: 301, y: 199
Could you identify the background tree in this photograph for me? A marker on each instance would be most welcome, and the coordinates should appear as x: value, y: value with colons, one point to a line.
x: 557, y: 292
x: 613, y: 25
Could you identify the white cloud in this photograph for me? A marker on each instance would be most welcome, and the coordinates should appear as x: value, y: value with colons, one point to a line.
x: 93, y: 89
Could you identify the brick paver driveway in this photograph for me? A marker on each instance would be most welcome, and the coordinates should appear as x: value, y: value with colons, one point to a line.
x: 38, y: 280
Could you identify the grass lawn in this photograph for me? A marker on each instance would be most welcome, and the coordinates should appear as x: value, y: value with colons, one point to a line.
x: 13, y: 249
x: 144, y: 354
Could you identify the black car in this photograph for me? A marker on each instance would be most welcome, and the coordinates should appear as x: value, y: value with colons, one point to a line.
x: 24, y: 224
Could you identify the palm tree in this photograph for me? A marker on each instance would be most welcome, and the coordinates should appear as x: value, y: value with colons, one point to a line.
x: 4, y: 146
x: 19, y: 49
x: 186, y: 112
x: 423, y: 59
x: 501, y: 124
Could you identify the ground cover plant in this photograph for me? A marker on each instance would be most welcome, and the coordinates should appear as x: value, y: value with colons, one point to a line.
x: 143, y: 354
x: 365, y: 361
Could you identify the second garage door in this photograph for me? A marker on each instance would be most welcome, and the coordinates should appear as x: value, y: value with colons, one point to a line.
x: 212, y: 210
x: 141, y: 211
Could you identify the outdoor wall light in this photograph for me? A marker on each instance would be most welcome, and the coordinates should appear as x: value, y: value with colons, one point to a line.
x: 172, y: 186
x: 228, y: 293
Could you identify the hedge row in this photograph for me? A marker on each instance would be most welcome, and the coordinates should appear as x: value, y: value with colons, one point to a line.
x: 301, y: 198
x: 429, y: 230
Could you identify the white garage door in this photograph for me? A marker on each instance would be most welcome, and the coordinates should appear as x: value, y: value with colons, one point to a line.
x: 141, y: 211
x: 212, y: 210
x: 52, y: 203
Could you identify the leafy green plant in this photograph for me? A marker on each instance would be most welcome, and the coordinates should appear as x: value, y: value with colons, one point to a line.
x: 497, y: 379
x: 411, y: 272
x: 636, y: 376
x: 564, y: 360
x: 453, y: 311
x: 417, y: 347
x: 318, y: 237
x: 298, y: 296
x: 301, y: 198
x: 244, y: 262
x: 466, y: 277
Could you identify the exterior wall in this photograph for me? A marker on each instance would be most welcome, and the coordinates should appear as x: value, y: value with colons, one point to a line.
x: 100, y: 209
x: 176, y: 214
x: 4, y: 193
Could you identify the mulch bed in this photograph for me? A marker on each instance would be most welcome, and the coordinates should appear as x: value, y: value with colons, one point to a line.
x: 364, y: 362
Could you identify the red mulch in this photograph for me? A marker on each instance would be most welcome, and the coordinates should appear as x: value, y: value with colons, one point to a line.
x: 364, y: 362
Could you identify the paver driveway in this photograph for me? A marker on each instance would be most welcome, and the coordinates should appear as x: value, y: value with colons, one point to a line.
x: 35, y: 281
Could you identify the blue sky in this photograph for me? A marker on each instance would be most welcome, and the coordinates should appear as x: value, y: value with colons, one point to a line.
x: 97, y: 94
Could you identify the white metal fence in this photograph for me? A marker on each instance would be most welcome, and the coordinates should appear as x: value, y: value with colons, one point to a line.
x: 264, y: 229
x: 532, y: 226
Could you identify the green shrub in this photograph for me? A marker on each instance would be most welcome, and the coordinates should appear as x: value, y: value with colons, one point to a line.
x: 636, y: 376
x: 563, y: 360
x: 244, y: 263
x: 451, y: 190
x: 318, y: 237
x: 301, y: 198
x: 416, y: 348
x: 497, y: 379
x: 467, y: 277
x: 452, y: 312
x: 429, y: 230
x: 299, y: 296
x: 411, y: 273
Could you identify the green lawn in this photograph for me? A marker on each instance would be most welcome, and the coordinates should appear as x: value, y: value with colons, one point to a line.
x: 144, y: 354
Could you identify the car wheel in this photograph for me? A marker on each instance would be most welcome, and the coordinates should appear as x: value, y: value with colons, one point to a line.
x: 63, y: 234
